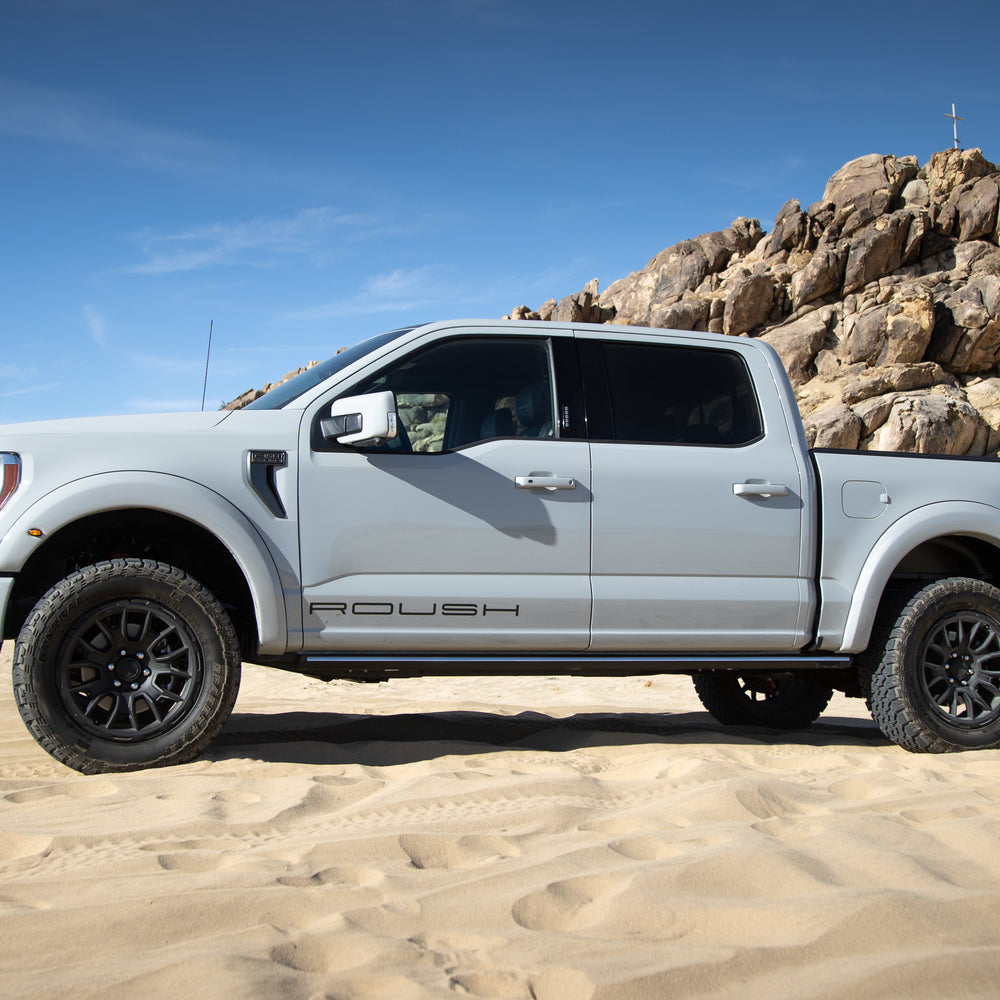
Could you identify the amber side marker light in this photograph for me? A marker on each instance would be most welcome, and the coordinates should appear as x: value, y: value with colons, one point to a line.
x: 11, y: 467
x: 35, y: 532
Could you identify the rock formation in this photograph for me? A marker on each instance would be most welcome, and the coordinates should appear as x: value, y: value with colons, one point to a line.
x: 882, y: 299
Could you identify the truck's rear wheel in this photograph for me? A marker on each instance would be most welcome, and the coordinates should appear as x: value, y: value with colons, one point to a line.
x: 936, y: 687
x: 126, y: 664
x: 778, y: 701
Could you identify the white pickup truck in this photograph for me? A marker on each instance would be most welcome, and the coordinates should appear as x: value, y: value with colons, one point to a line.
x: 494, y: 497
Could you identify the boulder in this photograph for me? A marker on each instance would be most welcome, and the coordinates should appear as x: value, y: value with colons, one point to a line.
x: 748, y: 304
x: 966, y: 336
x: 916, y: 194
x: 931, y: 423
x: 833, y: 427
x: 877, y: 250
x: 679, y: 269
x: 822, y: 275
x: 687, y: 314
x: 984, y: 395
x: 976, y: 205
x: 790, y: 231
x: 798, y: 344
x: 897, y: 332
x: 865, y: 184
x: 950, y: 169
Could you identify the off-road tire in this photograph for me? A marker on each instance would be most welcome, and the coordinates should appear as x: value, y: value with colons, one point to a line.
x: 775, y: 701
x: 936, y: 686
x: 126, y: 664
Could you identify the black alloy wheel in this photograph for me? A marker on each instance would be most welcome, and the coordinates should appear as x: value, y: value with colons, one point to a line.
x: 935, y: 686
x: 126, y: 664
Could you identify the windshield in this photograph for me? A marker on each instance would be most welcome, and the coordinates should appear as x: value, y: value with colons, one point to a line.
x: 282, y: 394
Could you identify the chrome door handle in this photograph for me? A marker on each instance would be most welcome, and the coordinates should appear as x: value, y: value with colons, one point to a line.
x: 760, y: 490
x: 544, y: 481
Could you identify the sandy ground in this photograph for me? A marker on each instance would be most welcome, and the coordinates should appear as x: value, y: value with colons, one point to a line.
x: 555, y: 839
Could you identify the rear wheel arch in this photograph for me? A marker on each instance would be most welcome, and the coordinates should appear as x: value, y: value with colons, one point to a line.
x: 945, y: 539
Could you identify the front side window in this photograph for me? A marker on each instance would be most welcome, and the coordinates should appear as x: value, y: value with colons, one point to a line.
x: 458, y: 392
x: 680, y: 395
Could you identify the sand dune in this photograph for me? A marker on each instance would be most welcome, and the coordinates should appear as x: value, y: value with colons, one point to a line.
x: 555, y: 839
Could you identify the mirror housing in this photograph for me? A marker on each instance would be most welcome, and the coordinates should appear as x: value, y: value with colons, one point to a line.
x: 361, y: 420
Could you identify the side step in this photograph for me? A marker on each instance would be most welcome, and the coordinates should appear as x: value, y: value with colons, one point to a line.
x: 382, y: 667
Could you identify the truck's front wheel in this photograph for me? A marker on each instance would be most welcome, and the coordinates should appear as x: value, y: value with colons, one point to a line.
x: 936, y: 687
x: 126, y: 664
x: 778, y: 701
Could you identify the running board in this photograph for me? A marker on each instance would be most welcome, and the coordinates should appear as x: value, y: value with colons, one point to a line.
x: 382, y: 667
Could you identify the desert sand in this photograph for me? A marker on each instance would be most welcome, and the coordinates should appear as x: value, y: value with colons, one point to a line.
x: 546, y: 838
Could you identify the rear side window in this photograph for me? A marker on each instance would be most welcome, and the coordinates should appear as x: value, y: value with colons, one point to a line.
x: 680, y: 395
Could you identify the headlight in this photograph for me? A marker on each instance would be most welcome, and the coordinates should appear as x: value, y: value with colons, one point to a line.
x: 10, y: 465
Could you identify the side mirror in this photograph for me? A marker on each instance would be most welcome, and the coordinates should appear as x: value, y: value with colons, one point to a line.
x: 361, y: 420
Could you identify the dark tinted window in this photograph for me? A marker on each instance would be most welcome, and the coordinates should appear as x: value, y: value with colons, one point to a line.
x: 680, y: 395
x: 458, y: 392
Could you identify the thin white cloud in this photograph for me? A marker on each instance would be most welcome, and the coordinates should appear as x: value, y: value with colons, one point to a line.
x: 168, y: 365
x: 401, y: 290
x: 96, y: 326
x: 28, y: 390
x: 167, y: 404
x: 192, y: 366
x: 86, y: 123
x: 258, y: 242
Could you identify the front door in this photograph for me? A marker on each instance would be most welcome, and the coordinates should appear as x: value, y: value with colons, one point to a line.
x: 470, y: 531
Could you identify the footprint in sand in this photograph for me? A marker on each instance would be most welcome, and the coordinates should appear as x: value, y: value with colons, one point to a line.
x: 197, y: 855
x: 647, y: 848
x: 191, y: 861
x: 561, y: 984
x: 341, y: 876
x: 84, y: 790
x: 328, y: 951
x: 14, y: 846
x: 235, y: 797
x: 494, y: 983
x: 13, y: 903
x: 433, y: 851
x: 767, y: 800
x: 790, y: 827
x: 569, y: 904
x: 456, y: 941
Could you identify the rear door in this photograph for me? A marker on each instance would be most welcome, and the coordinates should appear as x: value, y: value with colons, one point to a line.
x: 699, y: 536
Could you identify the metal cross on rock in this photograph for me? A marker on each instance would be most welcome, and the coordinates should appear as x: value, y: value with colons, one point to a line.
x: 955, y: 120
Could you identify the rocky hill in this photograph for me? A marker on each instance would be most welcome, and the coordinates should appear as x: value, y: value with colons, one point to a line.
x: 882, y: 298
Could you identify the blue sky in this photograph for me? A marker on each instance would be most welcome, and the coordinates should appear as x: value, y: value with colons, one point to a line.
x: 304, y: 174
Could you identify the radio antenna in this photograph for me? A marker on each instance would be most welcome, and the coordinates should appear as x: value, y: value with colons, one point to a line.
x: 208, y: 356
